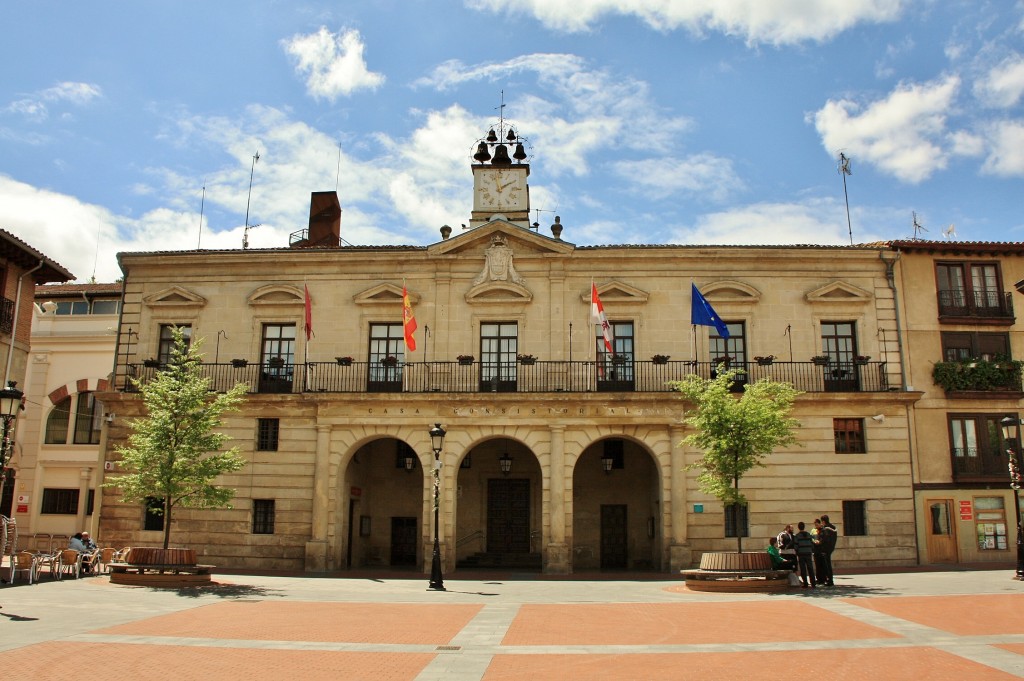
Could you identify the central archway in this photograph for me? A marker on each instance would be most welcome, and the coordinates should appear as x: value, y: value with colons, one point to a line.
x: 498, y: 518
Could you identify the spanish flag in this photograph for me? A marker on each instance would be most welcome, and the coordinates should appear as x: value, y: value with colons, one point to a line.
x: 408, y: 321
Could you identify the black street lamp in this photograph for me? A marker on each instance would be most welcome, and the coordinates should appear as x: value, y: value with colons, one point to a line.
x: 437, y: 434
x: 10, y: 404
x: 1011, y: 431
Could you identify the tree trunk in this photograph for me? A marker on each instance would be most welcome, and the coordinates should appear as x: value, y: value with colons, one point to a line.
x: 167, y: 523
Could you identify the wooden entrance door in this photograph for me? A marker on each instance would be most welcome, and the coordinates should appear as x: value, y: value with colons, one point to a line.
x: 941, y: 531
x: 508, y: 516
x: 613, y: 537
x: 403, y: 541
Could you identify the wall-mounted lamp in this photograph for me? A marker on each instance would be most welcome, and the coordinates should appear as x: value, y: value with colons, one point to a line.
x: 878, y: 418
x: 49, y: 307
x: 410, y: 463
x: 110, y: 417
x: 607, y: 461
x: 505, y: 461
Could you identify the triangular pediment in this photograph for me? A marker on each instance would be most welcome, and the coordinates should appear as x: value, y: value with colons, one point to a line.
x: 616, y: 292
x: 383, y: 294
x: 503, y: 292
x: 277, y: 294
x: 174, y: 296
x: 731, y: 291
x: 838, y: 292
x: 523, y: 242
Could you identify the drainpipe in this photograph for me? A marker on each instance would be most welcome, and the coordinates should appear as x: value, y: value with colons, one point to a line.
x: 890, y: 275
x: 14, y: 331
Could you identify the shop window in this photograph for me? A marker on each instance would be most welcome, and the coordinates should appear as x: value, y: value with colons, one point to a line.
x: 59, y: 501
x: 990, y: 523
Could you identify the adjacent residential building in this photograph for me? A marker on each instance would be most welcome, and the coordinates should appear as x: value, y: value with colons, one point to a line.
x: 74, y: 331
x: 963, y: 346
x: 561, y: 454
x: 21, y: 268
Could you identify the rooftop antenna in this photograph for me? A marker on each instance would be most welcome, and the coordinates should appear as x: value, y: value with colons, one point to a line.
x: 844, y: 170
x: 202, y: 206
x: 501, y: 117
x: 337, y: 175
x: 96, y: 260
x: 949, y: 232
x: 918, y: 227
x: 536, y: 217
x: 245, y: 236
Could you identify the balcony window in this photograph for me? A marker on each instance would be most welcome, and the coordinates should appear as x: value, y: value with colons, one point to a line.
x: 977, y: 447
x: 972, y: 290
x: 163, y: 353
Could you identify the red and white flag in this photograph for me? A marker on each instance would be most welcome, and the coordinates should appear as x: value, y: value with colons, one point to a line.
x: 309, y: 314
x: 408, y: 321
x: 598, y: 317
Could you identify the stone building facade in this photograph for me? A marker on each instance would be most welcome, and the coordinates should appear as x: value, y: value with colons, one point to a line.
x: 597, y: 478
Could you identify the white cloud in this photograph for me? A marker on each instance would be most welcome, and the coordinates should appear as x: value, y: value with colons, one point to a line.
x: 332, y: 63
x: 588, y: 110
x: 811, y: 221
x: 1003, y: 85
x: 1006, y: 139
x: 34, y: 106
x: 756, y: 21
x: 704, y: 174
x: 904, y: 134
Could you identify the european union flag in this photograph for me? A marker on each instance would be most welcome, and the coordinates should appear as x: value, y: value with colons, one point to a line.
x: 703, y: 314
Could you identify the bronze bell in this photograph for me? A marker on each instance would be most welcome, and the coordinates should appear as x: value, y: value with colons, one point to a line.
x: 482, y: 155
x: 511, y: 136
x: 501, y: 156
x: 491, y: 137
x: 520, y: 153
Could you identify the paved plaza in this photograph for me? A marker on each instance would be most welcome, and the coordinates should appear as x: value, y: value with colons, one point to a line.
x: 963, y: 625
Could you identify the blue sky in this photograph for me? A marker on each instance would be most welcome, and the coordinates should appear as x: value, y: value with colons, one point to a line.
x: 650, y: 121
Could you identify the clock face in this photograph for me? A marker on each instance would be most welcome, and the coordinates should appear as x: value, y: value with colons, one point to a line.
x: 502, y: 189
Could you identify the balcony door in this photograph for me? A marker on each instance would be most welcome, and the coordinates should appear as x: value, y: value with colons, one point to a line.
x: 839, y: 342
x: 615, y: 372
x: 499, y: 344
x: 387, y: 354
x: 277, y: 369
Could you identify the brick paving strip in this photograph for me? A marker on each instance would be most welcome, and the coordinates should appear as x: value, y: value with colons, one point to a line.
x: 351, y: 629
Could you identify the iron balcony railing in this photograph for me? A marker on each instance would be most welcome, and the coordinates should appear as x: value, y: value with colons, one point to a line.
x: 978, y: 462
x: 539, y: 377
x: 983, y: 304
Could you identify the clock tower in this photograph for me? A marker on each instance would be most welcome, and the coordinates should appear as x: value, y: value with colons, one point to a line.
x: 499, y: 180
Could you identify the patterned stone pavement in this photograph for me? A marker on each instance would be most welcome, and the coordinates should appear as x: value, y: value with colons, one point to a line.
x: 964, y: 625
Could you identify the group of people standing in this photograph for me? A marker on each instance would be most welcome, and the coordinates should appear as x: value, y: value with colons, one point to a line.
x: 810, y: 552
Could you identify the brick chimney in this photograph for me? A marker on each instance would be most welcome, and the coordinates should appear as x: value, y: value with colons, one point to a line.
x: 324, y: 223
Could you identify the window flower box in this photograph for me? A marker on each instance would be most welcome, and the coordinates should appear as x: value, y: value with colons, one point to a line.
x: 821, y: 360
x: 862, y: 359
x: 239, y: 363
x: 151, y: 363
x: 343, y: 361
x: 465, y: 360
x: 526, y: 359
x: 389, y: 361
x: 660, y: 359
x: 764, y: 360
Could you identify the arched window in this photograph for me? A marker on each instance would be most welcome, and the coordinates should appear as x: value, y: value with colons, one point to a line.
x: 88, y: 415
x: 57, y: 423
x: 87, y: 420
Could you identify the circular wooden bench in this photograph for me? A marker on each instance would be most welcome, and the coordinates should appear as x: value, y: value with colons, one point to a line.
x: 160, y: 567
x: 736, y: 572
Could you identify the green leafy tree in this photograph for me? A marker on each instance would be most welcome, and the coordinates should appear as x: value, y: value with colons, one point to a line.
x: 173, y: 452
x: 735, y: 433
